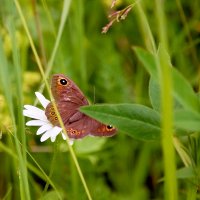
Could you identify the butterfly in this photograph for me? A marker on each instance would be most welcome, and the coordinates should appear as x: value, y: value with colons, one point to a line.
x: 69, y: 98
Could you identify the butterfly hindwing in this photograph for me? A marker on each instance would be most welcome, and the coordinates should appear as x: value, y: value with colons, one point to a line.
x: 68, y: 99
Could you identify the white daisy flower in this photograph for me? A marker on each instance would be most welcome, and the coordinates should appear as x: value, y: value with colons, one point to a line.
x: 46, y: 129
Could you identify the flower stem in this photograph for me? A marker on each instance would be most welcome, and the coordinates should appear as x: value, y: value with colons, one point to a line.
x: 49, y: 91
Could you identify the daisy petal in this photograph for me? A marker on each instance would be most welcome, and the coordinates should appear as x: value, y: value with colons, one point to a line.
x: 40, y: 119
x: 46, y: 136
x: 53, y: 138
x: 34, y: 113
x: 34, y: 109
x: 51, y: 133
x: 35, y: 123
x: 55, y: 131
x: 42, y: 99
x: 64, y: 136
x: 71, y: 142
x: 43, y: 128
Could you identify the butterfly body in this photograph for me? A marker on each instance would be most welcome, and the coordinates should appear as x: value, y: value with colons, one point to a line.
x: 68, y: 99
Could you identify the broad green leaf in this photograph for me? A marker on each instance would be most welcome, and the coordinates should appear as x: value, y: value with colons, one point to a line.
x: 148, y: 60
x: 185, y: 172
x: 135, y: 120
x: 187, y: 120
x: 182, y: 90
x: 154, y: 94
x: 89, y: 145
x: 50, y: 195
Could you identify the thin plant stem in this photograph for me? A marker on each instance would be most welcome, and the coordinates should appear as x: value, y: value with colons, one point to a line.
x: 21, y: 167
x: 65, y: 12
x: 39, y: 32
x: 161, y: 21
x: 50, y: 21
x: 189, y: 36
x: 32, y: 168
x: 49, y: 91
x: 182, y: 152
x: 167, y: 128
x: 164, y: 65
x: 145, y: 29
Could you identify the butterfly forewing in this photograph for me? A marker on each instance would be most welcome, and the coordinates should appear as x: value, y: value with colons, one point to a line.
x: 66, y: 90
x: 68, y: 98
x: 66, y: 110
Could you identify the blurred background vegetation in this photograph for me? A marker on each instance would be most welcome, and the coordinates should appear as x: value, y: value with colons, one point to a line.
x: 106, y: 69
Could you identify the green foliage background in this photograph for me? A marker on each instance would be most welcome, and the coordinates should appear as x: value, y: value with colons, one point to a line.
x: 131, y: 64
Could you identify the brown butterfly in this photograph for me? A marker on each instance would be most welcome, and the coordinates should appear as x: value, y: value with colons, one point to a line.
x: 68, y: 98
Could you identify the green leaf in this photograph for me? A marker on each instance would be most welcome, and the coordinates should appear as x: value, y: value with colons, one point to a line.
x: 187, y: 120
x: 89, y: 145
x: 182, y: 90
x: 135, y: 120
x: 185, y: 172
x: 154, y: 94
x: 148, y: 60
x: 50, y: 195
